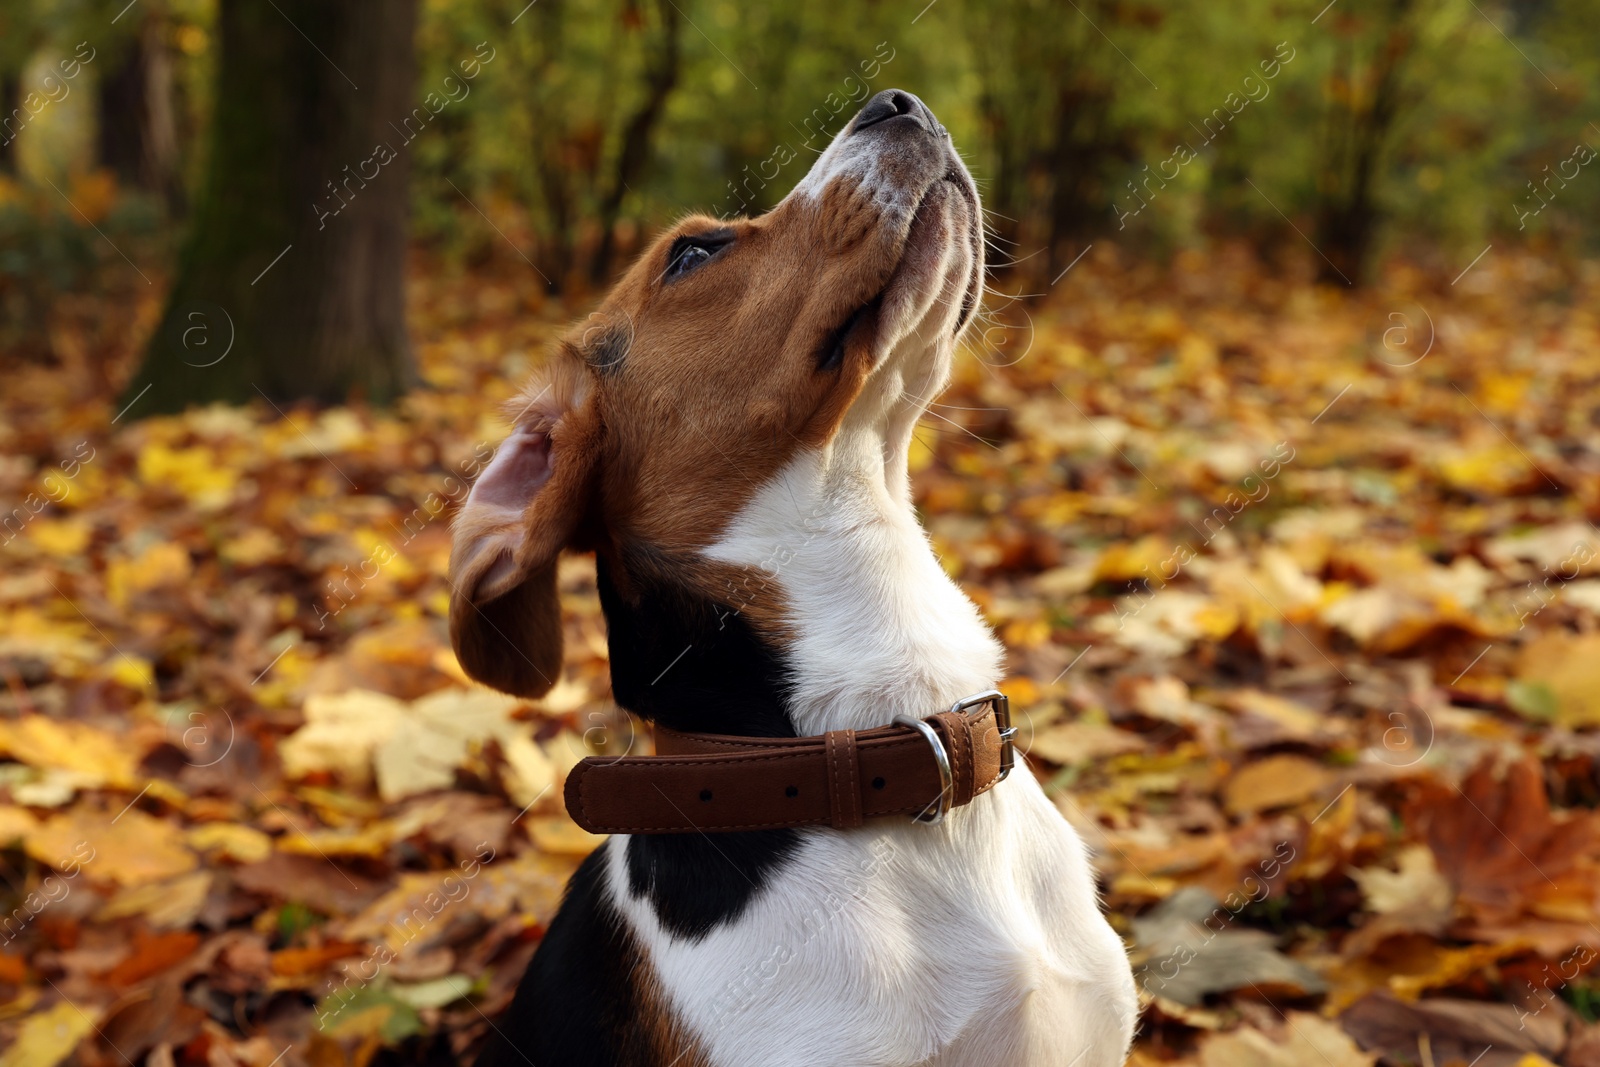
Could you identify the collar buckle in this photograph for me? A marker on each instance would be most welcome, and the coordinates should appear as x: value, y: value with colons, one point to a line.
x: 1002, y: 724
x: 940, y: 806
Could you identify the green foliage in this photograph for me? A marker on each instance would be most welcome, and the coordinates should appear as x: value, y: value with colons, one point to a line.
x: 1427, y: 127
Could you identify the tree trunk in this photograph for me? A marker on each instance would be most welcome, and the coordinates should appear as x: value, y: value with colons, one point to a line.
x: 10, y: 96
x: 291, y: 283
x: 1347, y: 213
x: 660, y: 78
x: 137, y: 136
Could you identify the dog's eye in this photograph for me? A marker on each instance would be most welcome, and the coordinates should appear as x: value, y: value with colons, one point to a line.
x: 687, y: 260
x: 690, y: 252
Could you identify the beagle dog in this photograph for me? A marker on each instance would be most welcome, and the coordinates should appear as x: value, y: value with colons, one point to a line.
x: 729, y: 434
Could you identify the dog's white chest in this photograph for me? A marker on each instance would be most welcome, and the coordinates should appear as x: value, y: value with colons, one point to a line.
x: 973, y: 943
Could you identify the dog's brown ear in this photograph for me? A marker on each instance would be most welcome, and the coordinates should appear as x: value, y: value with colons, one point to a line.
x: 505, y: 617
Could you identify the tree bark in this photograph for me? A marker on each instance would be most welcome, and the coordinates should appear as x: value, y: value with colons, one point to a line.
x: 137, y: 136
x: 291, y: 282
x: 1347, y: 212
x: 660, y: 78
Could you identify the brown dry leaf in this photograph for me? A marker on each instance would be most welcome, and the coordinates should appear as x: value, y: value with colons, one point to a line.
x: 1071, y: 743
x: 1279, y: 781
x: 1499, y: 843
x: 145, y: 1020
x: 1308, y: 1039
x: 152, y: 954
x: 294, y: 962
x: 129, y: 849
x: 319, y: 885
x: 1468, y: 1031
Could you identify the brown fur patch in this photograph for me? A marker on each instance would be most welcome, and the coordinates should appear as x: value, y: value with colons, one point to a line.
x: 688, y: 394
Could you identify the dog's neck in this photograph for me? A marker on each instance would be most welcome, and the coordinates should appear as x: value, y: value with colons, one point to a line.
x: 868, y: 626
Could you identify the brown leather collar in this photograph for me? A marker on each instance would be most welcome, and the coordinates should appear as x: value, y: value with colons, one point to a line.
x: 716, y: 783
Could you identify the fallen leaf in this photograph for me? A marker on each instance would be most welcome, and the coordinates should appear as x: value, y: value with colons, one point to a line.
x: 1275, y: 782
x: 129, y: 849
x: 1415, y: 884
x: 1070, y: 743
x: 321, y: 886
x: 165, y: 905
x: 244, y: 844
x: 1190, y: 949
x: 560, y: 835
x: 48, y: 1037
x: 1498, y: 842
x: 1309, y: 1039
x: 94, y: 757
x: 293, y: 962
x: 1564, y: 670
x: 152, y: 954
x: 1465, y: 1031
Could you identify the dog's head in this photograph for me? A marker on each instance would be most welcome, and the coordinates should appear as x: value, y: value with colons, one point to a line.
x: 727, y: 347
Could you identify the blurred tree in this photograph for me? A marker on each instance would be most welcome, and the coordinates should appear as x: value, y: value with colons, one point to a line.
x: 291, y: 282
x: 1046, y: 103
x: 1367, y: 93
x: 20, y: 34
x: 660, y: 76
x: 137, y: 135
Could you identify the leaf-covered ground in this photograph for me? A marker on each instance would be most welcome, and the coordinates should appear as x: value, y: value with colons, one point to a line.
x: 1300, y: 589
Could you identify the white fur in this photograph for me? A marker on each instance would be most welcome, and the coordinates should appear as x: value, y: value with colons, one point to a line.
x: 976, y: 943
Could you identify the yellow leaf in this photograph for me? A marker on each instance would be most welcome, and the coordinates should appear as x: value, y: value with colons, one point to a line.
x: 560, y: 835
x: 238, y: 842
x: 1123, y: 562
x: 93, y: 757
x: 1450, y: 965
x: 1567, y: 667
x: 371, y: 841
x: 48, y: 1037
x: 128, y: 849
x: 252, y: 547
x: 136, y: 674
x: 165, y: 563
x: 62, y: 538
x: 15, y: 824
x: 194, y: 472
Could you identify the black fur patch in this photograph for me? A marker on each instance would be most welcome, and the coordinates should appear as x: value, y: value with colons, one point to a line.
x: 576, y: 1006
x: 691, y: 664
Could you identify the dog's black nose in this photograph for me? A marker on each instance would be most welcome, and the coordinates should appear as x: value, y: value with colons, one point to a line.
x: 892, y: 103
